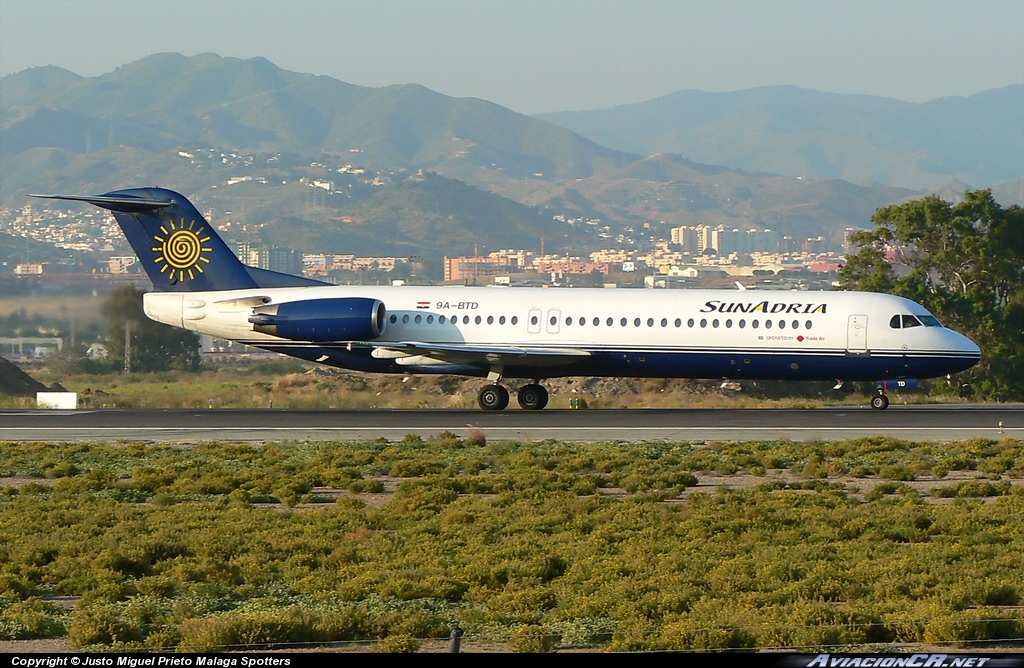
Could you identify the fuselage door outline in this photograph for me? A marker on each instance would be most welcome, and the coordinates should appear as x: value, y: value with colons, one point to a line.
x: 857, y: 335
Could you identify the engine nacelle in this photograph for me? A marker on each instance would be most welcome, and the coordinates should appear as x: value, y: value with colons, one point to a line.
x: 340, y: 319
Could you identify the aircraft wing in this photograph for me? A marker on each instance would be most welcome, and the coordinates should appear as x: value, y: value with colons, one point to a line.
x: 454, y: 353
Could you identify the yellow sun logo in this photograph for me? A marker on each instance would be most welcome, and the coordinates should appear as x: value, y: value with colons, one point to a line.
x: 181, y: 250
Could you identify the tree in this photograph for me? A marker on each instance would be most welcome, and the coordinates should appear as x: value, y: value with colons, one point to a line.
x: 153, y: 346
x: 965, y: 263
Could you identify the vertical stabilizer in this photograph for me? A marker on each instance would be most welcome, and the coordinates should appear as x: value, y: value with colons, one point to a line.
x: 178, y: 248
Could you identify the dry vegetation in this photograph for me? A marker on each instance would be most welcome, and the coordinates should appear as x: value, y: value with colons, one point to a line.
x: 871, y: 544
x: 286, y: 383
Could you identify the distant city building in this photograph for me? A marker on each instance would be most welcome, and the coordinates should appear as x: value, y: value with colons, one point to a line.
x: 472, y: 267
x: 702, y: 239
x: 274, y: 258
x: 121, y: 264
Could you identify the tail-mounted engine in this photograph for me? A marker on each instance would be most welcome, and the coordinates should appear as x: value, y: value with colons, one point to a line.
x: 341, y: 319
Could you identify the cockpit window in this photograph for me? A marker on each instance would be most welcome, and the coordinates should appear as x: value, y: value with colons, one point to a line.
x: 903, y: 321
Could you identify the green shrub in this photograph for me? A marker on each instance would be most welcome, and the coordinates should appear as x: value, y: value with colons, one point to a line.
x: 398, y: 644
x: 102, y: 624
x: 968, y: 627
x: 32, y: 618
x: 533, y: 639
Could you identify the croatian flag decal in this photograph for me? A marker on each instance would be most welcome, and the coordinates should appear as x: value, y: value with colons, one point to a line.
x: 422, y: 304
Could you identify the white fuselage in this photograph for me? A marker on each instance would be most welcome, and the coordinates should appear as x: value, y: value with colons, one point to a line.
x: 810, y: 334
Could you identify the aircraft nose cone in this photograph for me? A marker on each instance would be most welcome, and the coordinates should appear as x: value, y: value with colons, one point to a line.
x: 970, y: 347
x: 968, y: 350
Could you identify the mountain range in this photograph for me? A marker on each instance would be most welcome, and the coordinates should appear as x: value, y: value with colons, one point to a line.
x: 248, y: 139
x: 977, y: 140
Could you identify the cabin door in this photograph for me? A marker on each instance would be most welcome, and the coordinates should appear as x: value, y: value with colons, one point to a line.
x: 857, y: 335
x: 554, y: 317
x: 533, y: 324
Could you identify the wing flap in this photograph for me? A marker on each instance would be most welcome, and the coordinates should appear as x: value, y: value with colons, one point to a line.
x: 478, y: 354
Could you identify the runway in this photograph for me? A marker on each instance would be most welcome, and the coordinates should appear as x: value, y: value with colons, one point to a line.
x: 912, y: 423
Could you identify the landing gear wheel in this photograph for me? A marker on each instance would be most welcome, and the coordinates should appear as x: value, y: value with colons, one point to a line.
x: 533, y: 397
x: 881, y: 402
x: 492, y: 398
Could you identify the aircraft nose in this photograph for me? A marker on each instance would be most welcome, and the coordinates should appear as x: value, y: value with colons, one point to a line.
x: 968, y: 347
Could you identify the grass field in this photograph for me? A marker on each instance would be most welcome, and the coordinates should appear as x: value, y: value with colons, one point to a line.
x: 872, y: 545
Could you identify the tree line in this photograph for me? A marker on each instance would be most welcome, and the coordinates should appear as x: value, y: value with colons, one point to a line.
x: 963, y: 261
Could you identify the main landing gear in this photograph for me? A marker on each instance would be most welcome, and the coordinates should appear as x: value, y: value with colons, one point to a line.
x: 494, y: 397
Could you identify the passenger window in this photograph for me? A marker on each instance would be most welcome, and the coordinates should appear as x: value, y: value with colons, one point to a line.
x: 419, y: 319
x: 755, y: 323
x: 394, y: 319
x: 767, y: 324
x: 430, y: 320
x: 405, y: 319
x: 442, y: 319
x: 533, y: 320
x: 796, y: 324
x: 743, y: 323
x: 782, y: 324
x: 515, y: 319
x: 636, y: 322
x: 609, y: 322
x: 623, y: 322
x: 703, y: 322
x: 568, y: 321
x: 597, y: 321
x: 808, y: 324
x: 664, y: 322
x: 689, y: 323
x: 465, y: 320
x: 728, y: 324
x: 679, y: 323
x: 650, y: 322
x: 490, y: 320
x: 714, y: 323
x: 501, y: 320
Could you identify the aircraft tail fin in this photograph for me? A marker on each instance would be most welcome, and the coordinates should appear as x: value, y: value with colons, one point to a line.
x: 178, y: 248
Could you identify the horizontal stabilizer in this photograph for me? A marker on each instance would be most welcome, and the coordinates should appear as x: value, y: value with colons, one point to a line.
x: 126, y: 204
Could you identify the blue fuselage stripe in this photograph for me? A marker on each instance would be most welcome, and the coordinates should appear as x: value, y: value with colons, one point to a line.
x: 675, y: 364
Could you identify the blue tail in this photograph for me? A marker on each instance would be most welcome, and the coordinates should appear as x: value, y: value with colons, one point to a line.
x: 178, y: 248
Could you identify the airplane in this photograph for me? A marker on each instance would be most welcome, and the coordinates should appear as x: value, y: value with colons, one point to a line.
x: 525, y: 333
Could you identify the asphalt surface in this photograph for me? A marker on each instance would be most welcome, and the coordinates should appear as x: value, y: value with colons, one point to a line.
x: 911, y: 422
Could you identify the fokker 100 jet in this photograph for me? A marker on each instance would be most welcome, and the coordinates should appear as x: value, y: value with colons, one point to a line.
x: 525, y: 333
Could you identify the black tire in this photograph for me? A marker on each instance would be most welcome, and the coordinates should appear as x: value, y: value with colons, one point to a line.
x: 492, y: 398
x: 880, y: 402
x: 533, y: 397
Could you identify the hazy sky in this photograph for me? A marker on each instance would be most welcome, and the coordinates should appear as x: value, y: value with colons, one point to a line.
x: 536, y: 56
